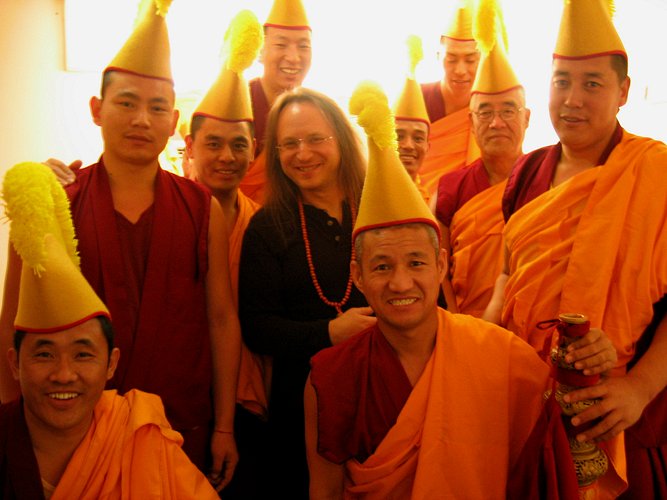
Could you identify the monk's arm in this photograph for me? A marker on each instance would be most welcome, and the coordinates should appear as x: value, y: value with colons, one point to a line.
x: 9, y: 388
x: 624, y: 398
x: 326, y: 478
x: 494, y: 310
x: 447, y: 289
x: 225, y: 334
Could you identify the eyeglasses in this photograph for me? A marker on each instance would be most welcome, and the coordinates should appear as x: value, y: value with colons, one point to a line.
x: 506, y: 114
x: 312, y: 141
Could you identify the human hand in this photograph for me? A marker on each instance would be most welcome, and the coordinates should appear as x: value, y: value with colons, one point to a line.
x: 621, y: 402
x: 593, y: 353
x: 225, y: 458
x: 64, y: 173
x: 351, y: 322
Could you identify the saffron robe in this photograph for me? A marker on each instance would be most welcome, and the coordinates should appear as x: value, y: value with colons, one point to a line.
x: 471, y: 208
x: 452, y: 145
x: 465, y: 423
x: 169, y: 352
x: 254, y: 370
x: 596, y: 244
x: 253, y: 182
x: 130, y: 451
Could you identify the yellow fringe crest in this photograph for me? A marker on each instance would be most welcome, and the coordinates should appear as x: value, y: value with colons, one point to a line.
x: 243, y: 40
x: 485, y: 26
x: 415, y: 53
x: 162, y: 7
x: 159, y: 7
x: 36, y: 204
x: 371, y: 106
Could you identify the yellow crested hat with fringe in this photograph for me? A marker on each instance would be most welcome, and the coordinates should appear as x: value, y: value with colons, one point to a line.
x: 586, y: 30
x: 410, y: 104
x: 389, y: 196
x: 494, y: 74
x: 147, y: 51
x: 288, y: 14
x: 460, y: 25
x: 54, y: 295
x: 228, y: 99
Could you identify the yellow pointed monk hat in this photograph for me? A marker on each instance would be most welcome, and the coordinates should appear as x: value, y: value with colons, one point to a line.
x: 54, y: 295
x: 460, y: 25
x: 410, y: 104
x: 389, y: 196
x: 494, y: 74
x: 228, y: 98
x: 288, y: 14
x: 147, y: 52
x: 586, y: 30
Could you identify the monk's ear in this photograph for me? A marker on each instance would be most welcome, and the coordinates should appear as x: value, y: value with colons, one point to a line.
x: 95, y: 107
x: 113, y: 362
x: 188, y: 145
x: 355, y: 270
x: 442, y: 264
x: 13, y: 358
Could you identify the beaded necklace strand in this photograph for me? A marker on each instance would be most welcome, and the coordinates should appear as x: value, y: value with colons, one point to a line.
x: 311, y: 267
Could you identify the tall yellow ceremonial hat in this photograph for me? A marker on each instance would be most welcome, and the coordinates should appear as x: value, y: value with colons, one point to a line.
x: 410, y: 104
x: 586, y: 30
x: 389, y: 196
x: 228, y: 99
x: 54, y: 295
x: 494, y: 74
x: 460, y: 24
x: 147, y: 52
x: 288, y: 14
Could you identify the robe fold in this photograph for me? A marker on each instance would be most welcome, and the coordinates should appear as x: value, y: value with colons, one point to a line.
x: 471, y: 208
x: 254, y: 371
x: 596, y: 244
x: 254, y: 181
x: 130, y: 451
x: 252, y: 184
x: 19, y: 472
x: 452, y: 144
x: 465, y: 423
x: 169, y: 352
x: 357, y: 410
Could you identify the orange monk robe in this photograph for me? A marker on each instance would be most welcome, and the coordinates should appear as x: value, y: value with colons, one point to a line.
x: 254, y: 371
x: 596, y: 244
x: 476, y: 236
x: 464, y: 424
x: 253, y: 183
x: 426, y: 195
x: 131, y: 451
x: 452, y: 146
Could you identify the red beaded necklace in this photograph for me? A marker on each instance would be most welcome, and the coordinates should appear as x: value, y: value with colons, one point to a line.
x: 311, y: 267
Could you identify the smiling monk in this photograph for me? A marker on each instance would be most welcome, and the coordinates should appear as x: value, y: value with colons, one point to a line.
x: 66, y: 437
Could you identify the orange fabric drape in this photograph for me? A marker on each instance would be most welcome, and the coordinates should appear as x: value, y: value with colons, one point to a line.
x: 596, y: 244
x: 131, y: 451
x: 253, y: 184
x: 465, y: 422
x: 477, y: 249
x: 254, y: 370
x: 452, y: 146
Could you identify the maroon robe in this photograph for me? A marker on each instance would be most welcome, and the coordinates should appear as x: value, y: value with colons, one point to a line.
x: 435, y: 103
x: 456, y: 188
x: 164, y: 340
x: 361, y: 388
x: 19, y: 472
x: 260, y: 111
